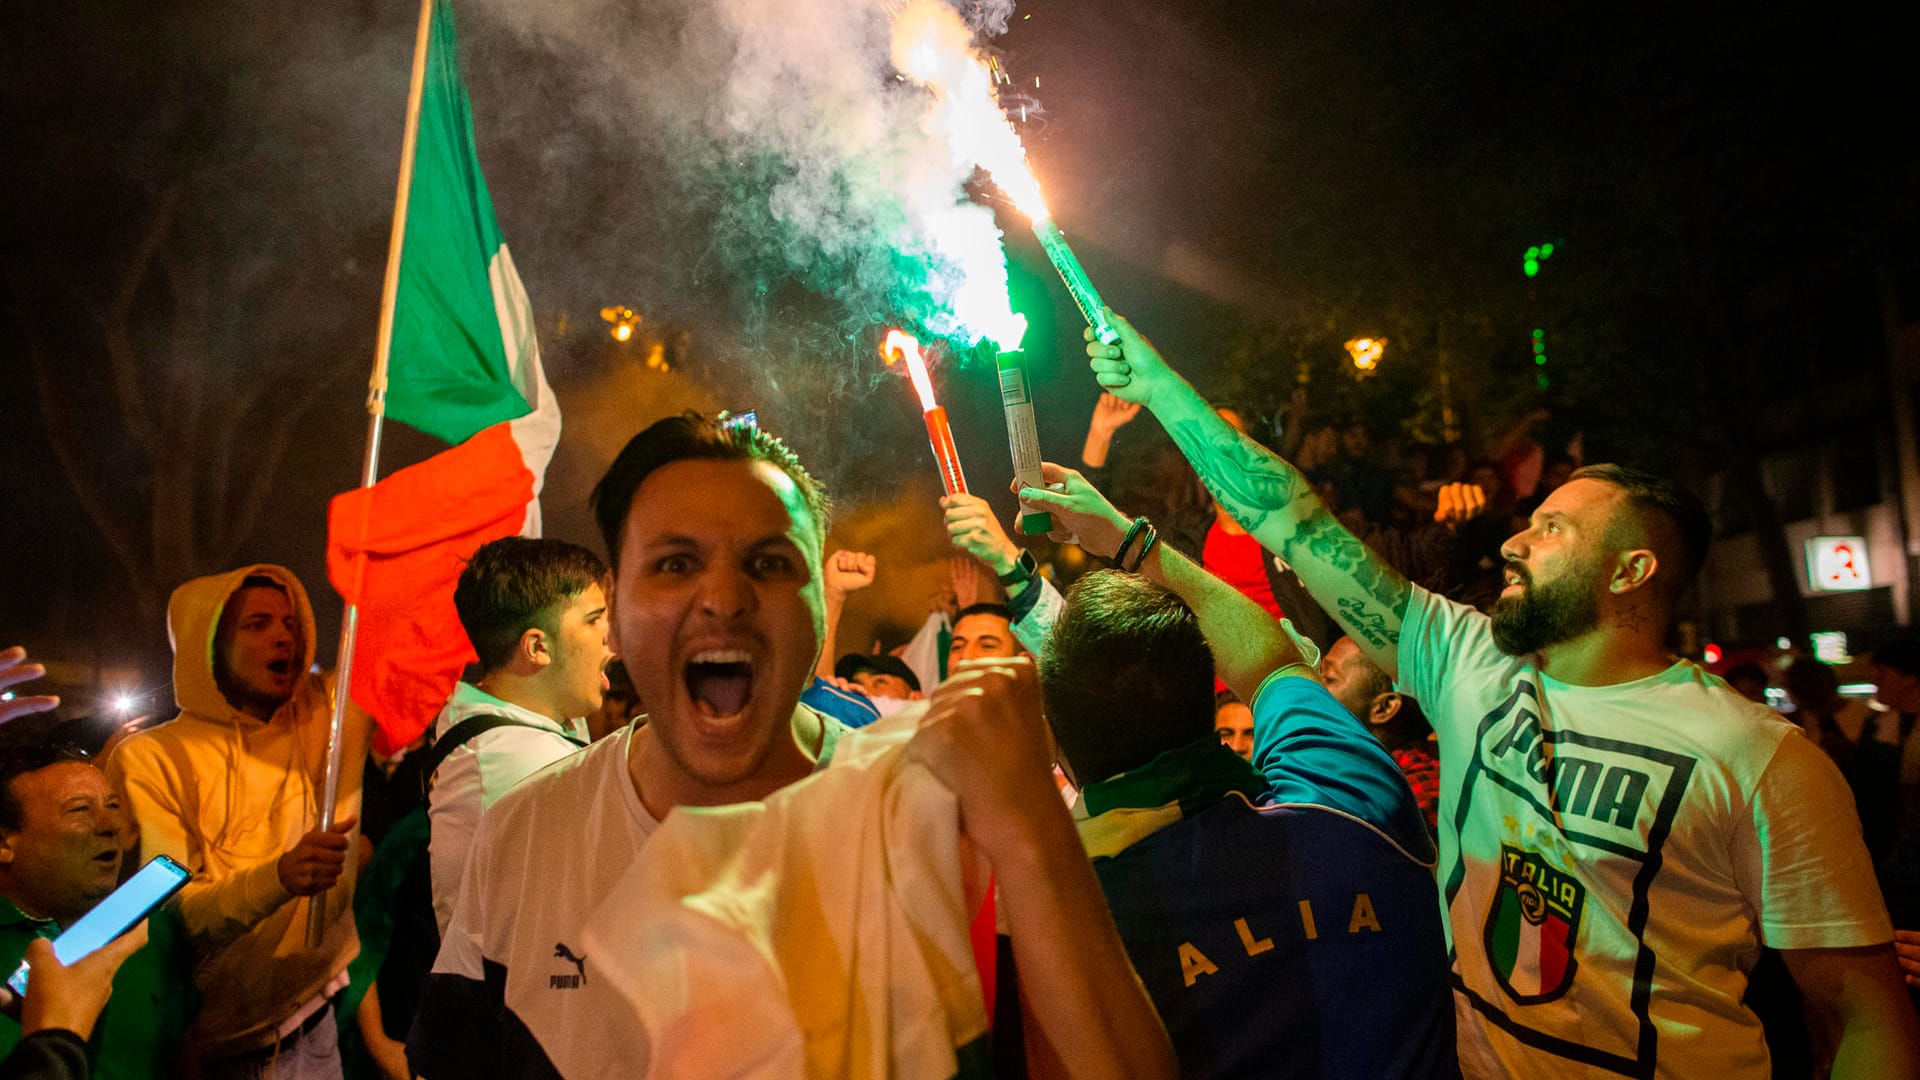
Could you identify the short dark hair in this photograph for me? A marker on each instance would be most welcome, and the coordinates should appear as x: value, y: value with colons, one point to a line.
x: 1378, y: 681
x: 517, y: 583
x: 693, y: 437
x: 1127, y: 675
x: 985, y: 607
x: 864, y: 663
x: 1672, y: 504
x: 29, y: 745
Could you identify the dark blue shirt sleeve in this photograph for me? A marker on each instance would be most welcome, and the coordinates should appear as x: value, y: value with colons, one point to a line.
x: 1312, y: 750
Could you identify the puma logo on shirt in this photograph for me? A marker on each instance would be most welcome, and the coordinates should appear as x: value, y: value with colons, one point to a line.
x: 568, y: 982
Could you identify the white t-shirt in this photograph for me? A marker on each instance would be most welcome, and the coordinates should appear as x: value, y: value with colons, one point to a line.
x: 1612, y: 858
x: 513, y: 992
x: 475, y: 775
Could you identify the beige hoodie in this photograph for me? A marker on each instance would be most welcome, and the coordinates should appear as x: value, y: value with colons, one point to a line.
x: 226, y: 794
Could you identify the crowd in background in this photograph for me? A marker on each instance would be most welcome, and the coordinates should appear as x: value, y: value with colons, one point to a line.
x: 431, y: 915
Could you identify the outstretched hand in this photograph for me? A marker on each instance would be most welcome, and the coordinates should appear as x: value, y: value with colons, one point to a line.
x: 1081, y: 514
x: 1131, y: 370
x: 847, y: 571
x: 971, y: 582
x: 15, y: 669
x: 1112, y: 413
x: 1459, y: 503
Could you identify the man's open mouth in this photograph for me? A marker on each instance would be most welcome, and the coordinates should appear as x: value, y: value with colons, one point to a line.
x: 720, y: 682
x: 280, y: 667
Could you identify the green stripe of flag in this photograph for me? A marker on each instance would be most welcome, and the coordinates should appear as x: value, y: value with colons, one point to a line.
x: 450, y: 372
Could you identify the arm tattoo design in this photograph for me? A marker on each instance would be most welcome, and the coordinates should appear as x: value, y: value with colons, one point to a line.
x: 1252, y: 485
x: 1322, y: 538
x: 1247, y: 480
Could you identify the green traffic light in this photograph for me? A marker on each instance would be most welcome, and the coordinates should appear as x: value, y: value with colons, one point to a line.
x: 1538, y: 333
x: 1531, y: 266
x: 1541, y: 359
x: 1532, y: 254
x: 1546, y: 250
x: 1542, y: 381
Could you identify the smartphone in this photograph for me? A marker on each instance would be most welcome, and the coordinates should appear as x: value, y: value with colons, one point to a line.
x: 152, y: 886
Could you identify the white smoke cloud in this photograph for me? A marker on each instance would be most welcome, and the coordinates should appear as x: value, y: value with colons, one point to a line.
x: 785, y: 123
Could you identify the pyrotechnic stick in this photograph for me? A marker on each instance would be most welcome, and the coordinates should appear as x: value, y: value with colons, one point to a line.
x: 945, y: 454
x: 1075, y: 276
x: 1023, y: 436
x: 902, y: 345
x: 370, y: 467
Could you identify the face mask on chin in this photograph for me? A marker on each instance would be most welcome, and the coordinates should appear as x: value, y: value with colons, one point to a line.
x: 888, y: 705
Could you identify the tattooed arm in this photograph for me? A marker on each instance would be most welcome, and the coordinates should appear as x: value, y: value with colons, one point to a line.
x: 1267, y: 496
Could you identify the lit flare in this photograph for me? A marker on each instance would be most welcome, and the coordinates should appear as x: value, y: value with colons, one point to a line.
x: 934, y: 48
x: 902, y: 346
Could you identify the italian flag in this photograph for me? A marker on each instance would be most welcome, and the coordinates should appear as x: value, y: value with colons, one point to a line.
x: 464, y: 367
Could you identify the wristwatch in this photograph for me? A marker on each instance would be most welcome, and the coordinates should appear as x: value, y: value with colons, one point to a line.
x: 1023, y: 569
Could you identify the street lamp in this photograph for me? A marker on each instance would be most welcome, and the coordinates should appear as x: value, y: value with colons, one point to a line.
x: 1366, y: 353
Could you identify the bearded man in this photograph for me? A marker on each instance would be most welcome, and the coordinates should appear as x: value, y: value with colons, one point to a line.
x: 1620, y: 832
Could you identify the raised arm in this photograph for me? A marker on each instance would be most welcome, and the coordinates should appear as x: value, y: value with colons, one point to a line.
x: 1248, y: 644
x: 1266, y: 495
x: 1086, y: 1013
x: 843, y: 572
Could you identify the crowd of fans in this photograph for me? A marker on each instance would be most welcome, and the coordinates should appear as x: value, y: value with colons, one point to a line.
x: 1349, y: 762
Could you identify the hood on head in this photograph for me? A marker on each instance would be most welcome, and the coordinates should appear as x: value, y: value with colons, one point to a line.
x: 193, y: 615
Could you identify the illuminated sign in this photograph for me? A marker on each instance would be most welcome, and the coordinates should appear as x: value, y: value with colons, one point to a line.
x: 1830, y: 647
x: 1838, y: 563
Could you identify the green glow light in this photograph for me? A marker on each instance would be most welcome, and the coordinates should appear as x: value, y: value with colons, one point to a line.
x: 1542, y: 381
x: 1546, y: 250
x: 1539, y: 333
x: 1531, y: 266
x: 1541, y: 359
x: 1532, y: 254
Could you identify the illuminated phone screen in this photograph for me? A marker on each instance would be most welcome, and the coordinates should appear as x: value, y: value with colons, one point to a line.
x: 113, y: 916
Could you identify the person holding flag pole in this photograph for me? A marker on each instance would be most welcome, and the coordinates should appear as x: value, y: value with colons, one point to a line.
x: 456, y: 358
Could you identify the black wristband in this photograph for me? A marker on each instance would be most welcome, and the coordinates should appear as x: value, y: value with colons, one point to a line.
x: 1146, y: 546
x: 1120, y: 556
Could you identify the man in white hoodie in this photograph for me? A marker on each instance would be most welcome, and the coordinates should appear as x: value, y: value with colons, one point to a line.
x: 230, y: 788
x: 536, y: 613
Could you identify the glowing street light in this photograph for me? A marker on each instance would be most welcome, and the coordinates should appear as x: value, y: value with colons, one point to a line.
x: 1530, y: 262
x: 1366, y: 353
x: 624, y: 319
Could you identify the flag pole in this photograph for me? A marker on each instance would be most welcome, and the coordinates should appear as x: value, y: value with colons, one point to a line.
x: 370, y: 467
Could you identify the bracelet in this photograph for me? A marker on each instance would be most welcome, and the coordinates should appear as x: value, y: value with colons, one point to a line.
x: 1120, y: 556
x: 1153, y: 537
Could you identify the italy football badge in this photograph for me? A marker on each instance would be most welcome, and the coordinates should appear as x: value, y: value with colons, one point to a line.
x: 1532, y: 927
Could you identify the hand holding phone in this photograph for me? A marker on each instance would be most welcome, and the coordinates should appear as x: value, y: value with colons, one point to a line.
x: 155, y: 883
x: 69, y: 997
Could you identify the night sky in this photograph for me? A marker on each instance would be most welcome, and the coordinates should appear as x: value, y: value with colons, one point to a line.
x: 1225, y: 169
